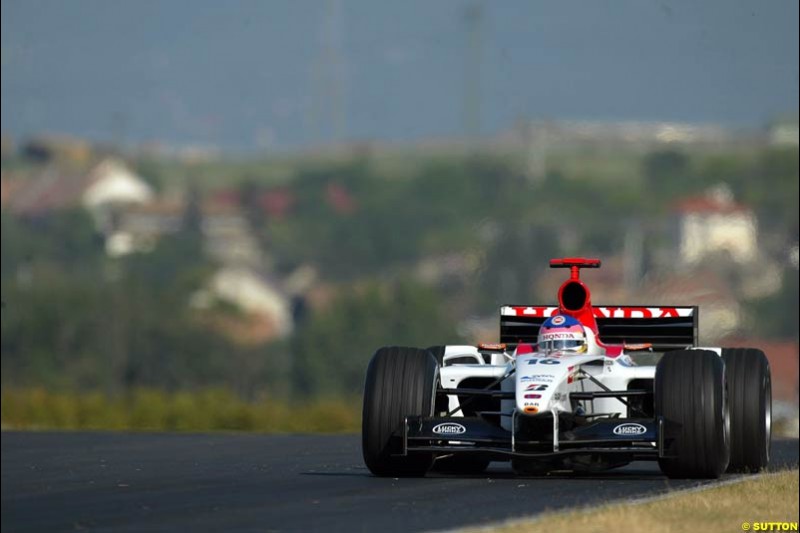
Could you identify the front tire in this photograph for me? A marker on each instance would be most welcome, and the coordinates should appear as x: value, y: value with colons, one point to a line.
x: 400, y: 382
x: 691, y: 396
x: 750, y: 398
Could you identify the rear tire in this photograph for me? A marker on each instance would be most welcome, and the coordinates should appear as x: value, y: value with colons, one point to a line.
x: 691, y: 396
x: 400, y: 382
x: 750, y: 398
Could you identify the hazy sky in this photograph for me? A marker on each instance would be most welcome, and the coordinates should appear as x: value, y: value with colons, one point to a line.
x: 285, y: 74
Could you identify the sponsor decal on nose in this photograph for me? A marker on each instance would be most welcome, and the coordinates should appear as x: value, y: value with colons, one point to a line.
x: 630, y: 428
x: 449, y: 428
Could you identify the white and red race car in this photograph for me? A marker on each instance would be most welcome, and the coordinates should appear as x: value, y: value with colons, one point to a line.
x: 699, y: 412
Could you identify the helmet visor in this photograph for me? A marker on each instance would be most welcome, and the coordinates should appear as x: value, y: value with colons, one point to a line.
x: 563, y: 345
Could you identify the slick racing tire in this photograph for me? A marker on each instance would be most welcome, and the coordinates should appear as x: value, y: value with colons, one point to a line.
x: 750, y: 400
x: 400, y: 382
x: 438, y: 353
x: 691, y: 397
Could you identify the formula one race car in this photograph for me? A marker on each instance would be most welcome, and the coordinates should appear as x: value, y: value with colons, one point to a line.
x: 561, y: 391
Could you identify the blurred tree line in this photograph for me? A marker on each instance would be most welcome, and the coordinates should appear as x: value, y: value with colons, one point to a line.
x: 766, y: 180
x: 75, y: 319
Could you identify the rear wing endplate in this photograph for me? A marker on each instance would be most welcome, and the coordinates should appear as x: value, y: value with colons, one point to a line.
x: 666, y: 328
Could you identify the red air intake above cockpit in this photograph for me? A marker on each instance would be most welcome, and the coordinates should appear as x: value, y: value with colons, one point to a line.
x: 574, y: 297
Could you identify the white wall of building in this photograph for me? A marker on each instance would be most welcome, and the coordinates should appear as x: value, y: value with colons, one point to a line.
x: 114, y: 183
x: 704, y: 233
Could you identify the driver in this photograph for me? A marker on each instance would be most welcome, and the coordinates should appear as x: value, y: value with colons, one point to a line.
x: 562, y: 333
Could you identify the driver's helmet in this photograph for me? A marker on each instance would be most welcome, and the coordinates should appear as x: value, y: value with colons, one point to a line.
x: 562, y: 333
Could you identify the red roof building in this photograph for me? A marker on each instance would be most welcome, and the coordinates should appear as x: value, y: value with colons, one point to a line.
x: 715, y: 223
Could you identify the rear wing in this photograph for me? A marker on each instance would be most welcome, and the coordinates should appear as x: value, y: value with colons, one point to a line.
x: 666, y: 328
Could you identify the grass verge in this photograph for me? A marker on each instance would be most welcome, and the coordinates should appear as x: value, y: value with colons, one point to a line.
x: 154, y: 410
x: 763, y: 499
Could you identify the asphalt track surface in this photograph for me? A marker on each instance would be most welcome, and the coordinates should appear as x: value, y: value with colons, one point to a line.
x: 125, y: 482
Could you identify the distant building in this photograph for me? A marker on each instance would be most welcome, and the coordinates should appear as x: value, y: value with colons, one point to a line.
x: 110, y: 184
x: 227, y: 234
x: 113, y: 183
x: 51, y: 189
x: 720, y: 312
x: 784, y: 132
x: 255, y: 294
x: 540, y: 133
x: 110, y: 189
x: 714, y: 223
x: 137, y: 228
x: 229, y: 238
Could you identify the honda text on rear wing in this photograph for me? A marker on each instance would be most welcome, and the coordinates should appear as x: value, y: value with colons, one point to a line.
x: 665, y: 328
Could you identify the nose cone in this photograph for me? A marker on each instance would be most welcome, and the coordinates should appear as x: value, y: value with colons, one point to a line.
x: 537, y: 379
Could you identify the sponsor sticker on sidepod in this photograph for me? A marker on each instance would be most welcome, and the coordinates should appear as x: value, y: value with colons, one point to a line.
x: 449, y: 428
x: 629, y: 428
